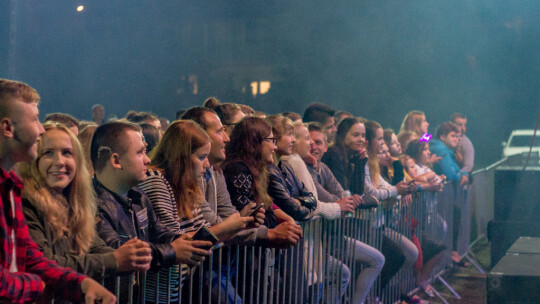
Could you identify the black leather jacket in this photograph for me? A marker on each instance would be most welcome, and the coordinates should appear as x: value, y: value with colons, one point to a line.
x: 123, y: 218
x: 284, y: 187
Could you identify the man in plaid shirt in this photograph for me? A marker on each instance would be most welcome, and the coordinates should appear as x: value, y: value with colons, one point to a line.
x: 25, y: 275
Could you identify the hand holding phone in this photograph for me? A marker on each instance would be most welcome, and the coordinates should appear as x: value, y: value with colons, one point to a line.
x: 204, y: 234
x: 256, y: 210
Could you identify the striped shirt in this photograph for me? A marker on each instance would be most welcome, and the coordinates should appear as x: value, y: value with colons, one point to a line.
x: 161, y: 194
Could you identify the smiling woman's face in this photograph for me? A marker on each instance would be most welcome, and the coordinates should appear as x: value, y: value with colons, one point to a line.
x: 56, y: 160
x: 285, y: 143
x: 355, y: 139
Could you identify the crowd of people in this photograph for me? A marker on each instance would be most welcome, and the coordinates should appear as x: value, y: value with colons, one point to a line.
x: 89, y: 201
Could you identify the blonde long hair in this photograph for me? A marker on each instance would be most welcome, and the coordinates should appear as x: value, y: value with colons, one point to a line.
x: 412, y: 122
x: 73, y: 213
x: 373, y: 156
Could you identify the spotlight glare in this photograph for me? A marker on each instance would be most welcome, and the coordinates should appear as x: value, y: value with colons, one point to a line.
x: 80, y: 8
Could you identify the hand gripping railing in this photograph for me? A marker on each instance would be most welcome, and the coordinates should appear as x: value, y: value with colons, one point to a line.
x: 322, y: 268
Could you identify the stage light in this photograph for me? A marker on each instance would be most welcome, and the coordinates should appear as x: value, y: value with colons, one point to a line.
x: 254, y: 88
x: 264, y: 86
x: 80, y: 8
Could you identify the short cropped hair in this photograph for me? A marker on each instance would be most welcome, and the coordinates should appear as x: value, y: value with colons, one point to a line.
x: 179, y: 114
x: 197, y: 115
x: 445, y: 128
x: 11, y: 90
x: 211, y: 103
x: 247, y: 110
x: 108, y: 139
x: 292, y: 116
x: 339, y: 115
x: 151, y: 135
x: 315, y: 127
x: 63, y: 118
x: 318, y: 112
x: 139, y: 117
x: 227, y: 111
x: 457, y: 116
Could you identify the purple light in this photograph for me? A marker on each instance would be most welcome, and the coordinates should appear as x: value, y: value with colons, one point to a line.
x: 425, y: 138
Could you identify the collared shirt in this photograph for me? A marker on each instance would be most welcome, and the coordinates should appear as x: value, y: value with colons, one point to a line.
x: 33, y: 269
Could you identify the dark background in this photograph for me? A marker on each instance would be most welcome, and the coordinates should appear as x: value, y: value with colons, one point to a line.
x: 377, y: 59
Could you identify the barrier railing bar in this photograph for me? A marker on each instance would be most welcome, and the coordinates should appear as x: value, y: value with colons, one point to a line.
x: 473, y: 262
x: 440, y: 278
x: 312, y: 271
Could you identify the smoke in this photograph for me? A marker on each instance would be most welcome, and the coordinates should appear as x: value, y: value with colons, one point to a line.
x: 377, y: 59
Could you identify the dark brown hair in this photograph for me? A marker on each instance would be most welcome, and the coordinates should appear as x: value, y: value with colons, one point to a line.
x: 245, y: 145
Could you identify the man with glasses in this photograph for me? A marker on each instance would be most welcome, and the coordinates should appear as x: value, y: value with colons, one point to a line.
x: 218, y: 206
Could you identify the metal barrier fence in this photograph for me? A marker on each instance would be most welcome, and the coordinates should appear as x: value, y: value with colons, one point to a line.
x: 483, y: 198
x: 322, y: 268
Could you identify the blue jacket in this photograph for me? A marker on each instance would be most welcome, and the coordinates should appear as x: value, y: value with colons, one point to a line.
x: 448, y: 164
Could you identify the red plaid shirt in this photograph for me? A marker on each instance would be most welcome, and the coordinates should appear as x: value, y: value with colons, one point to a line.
x: 33, y: 269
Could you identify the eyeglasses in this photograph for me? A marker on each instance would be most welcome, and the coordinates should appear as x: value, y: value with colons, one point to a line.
x: 272, y: 140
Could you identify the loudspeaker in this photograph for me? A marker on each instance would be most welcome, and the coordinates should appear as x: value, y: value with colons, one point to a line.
x: 517, y: 194
x: 515, y: 279
x: 525, y: 244
x: 502, y: 234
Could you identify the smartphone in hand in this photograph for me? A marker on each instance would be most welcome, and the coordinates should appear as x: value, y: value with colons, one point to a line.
x: 204, y: 234
x: 256, y: 210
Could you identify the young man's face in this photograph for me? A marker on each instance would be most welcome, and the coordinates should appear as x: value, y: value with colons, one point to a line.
x: 330, y: 128
x: 451, y: 140
x: 26, y: 129
x: 98, y: 114
x: 319, y: 145
x: 303, y: 142
x: 217, y: 136
x: 134, y: 159
x: 156, y: 123
x: 462, y: 124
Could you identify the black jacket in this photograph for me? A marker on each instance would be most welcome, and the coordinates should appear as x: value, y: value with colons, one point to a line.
x: 349, y: 174
x: 241, y: 189
x: 123, y: 218
x: 284, y: 187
